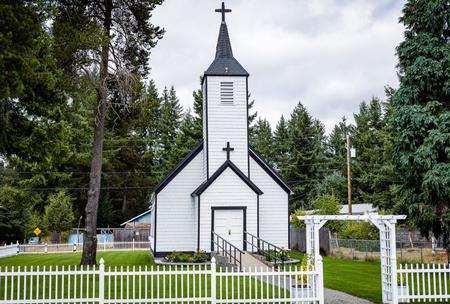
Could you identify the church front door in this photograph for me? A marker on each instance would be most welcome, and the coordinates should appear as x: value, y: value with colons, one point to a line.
x: 229, y: 224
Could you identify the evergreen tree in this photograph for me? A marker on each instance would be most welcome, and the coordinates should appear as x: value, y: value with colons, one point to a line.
x: 335, y: 181
x: 34, y: 136
x: 281, y: 145
x: 306, y: 159
x: 169, y: 126
x: 198, y: 115
x: 251, y: 116
x: 337, y: 145
x: 262, y: 141
x: 58, y: 213
x: 187, y: 137
x: 421, y: 116
x: 373, y: 174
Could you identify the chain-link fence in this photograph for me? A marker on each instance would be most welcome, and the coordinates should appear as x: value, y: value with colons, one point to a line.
x: 369, y: 250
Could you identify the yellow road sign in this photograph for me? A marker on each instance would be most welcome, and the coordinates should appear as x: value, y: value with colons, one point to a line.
x: 37, y: 231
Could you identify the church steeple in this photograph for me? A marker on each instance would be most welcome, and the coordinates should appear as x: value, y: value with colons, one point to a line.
x: 223, y: 48
x: 225, y: 108
x: 224, y: 63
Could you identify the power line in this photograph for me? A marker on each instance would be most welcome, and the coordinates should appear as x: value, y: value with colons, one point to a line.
x: 79, y: 188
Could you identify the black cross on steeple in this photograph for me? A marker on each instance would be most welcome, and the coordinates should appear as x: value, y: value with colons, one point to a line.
x: 223, y: 11
x: 228, y: 149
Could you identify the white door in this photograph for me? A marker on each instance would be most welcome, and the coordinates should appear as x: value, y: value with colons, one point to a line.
x: 229, y: 224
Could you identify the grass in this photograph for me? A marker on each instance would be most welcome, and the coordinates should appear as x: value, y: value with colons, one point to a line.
x: 112, y: 258
x: 358, y: 278
x: 136, y: 286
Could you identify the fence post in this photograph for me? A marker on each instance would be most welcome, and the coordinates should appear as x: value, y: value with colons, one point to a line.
x: 133, y: 244
x: 45, y: 248
x: 319, y: 285
x: 101, y: 282
x: 74, y: 247
x: 18, y: 248
x: 213, y: 280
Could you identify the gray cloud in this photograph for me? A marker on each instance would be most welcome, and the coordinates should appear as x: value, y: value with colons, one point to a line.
x: 328, y: 54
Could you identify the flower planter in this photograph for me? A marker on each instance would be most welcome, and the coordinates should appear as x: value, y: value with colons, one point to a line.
x: 301, y: 292
x: 403, y: 291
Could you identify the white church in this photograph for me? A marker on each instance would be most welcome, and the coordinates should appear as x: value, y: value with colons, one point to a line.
x: 223, y: 186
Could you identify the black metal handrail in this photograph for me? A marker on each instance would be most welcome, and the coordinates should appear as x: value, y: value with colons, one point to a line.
x: 263, y: 247
x: 226, y: 249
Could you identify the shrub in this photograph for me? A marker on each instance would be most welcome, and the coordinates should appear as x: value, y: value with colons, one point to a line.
x: 328, y: 204
x: 200, y: 257
x: 359, y: 231
x: 282, y: 255
x: 179, y: 257
x: 58, y: 213
x: 295, y: 221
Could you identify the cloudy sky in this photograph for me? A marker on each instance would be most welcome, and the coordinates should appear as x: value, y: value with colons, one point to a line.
x: 328, y: 54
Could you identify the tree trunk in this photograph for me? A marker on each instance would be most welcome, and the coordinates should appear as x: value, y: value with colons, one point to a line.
x: 90, y: 238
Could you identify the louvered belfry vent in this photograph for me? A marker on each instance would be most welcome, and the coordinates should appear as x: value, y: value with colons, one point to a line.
x: 226, y: 92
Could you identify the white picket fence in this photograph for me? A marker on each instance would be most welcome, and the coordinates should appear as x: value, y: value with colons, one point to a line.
x: 423, y: 282
x: 160, y: 284
x: 8, y: 250
x: 66, y: 248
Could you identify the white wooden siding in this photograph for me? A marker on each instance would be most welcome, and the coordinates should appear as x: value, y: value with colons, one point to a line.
x: 273, y: 207
x: 176, y: 212
x: 227, y: 122
x: 226, y: 191
x: 205, y: 140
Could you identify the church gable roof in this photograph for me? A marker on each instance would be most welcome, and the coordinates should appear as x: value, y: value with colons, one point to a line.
x: 271, y: 171
x: 227, y: 164
x: 179, y: 167
x: 224, y: 63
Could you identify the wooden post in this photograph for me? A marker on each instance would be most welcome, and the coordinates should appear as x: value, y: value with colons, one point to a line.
x: 349, y: 175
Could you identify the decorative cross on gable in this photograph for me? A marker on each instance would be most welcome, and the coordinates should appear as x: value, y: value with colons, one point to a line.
x: 228, y: 149
x: 223, y: 11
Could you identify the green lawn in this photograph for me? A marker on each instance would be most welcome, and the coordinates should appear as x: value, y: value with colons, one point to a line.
x: 358, y: 278
x: 112, y: 258
x: 361, y: 279
x: 135, y: 286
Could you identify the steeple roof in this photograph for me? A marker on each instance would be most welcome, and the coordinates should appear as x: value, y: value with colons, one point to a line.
x: 224, y: 63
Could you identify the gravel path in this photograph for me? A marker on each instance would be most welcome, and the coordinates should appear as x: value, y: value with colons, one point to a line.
x: 338, y: 297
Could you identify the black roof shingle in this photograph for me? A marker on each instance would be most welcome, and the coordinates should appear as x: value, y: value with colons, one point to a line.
x: 225, y: 64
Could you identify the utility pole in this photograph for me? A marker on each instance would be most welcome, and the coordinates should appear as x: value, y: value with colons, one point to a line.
x: 349, y: 175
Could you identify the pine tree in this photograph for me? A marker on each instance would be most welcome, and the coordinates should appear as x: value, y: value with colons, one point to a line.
x: 421, y: 116
x: 35, y: 137
x: 373, y: 174
x: 281, y: 145
x: 198, y: 115
x: 304, y: 168
x: 169, y: 126
x: 262, y: 141
x: 187, y: 137
x: 107, y: 42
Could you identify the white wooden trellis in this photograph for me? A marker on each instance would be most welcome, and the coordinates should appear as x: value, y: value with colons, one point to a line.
x: 388, y: 258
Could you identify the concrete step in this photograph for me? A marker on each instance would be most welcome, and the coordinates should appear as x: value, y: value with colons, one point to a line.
x: 252, y: 263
